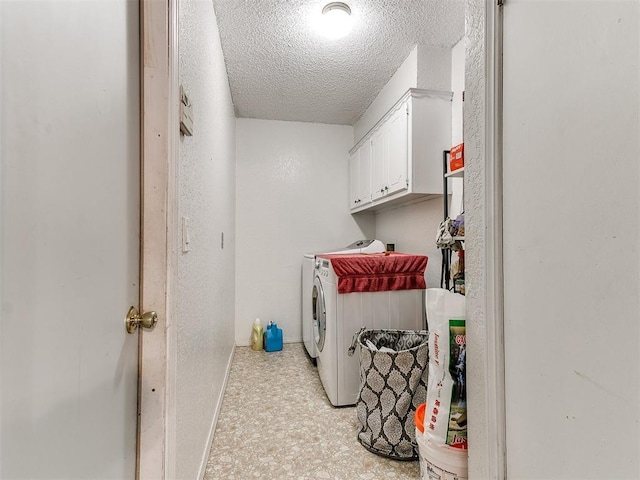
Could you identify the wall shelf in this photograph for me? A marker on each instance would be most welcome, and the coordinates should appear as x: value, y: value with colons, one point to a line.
x: 445, y: 274
x: 455, y: 174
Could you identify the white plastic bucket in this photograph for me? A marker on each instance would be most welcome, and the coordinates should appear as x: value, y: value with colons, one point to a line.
x: 441, y: 462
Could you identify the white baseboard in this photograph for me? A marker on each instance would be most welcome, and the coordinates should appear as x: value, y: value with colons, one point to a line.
x: 214, y: 421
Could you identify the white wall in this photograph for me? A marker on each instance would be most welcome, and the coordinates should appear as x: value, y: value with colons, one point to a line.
x: 456, y: 206
x: 413, y: 230
x: 292, y: 198
x: 206, y: 278
x: 425, y: 67
x: 457, y: 87
x: 405, y: 77
x: 572, y: 172
x: 433, y: 69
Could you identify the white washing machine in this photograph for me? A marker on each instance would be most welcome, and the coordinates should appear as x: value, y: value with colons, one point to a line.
x: 340, y: 316
x: 308, y: 296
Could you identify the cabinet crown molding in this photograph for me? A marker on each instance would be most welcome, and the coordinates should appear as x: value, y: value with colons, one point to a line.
x: 412, y: 92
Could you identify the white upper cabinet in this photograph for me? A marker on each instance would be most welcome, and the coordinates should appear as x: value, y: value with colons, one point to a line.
x: 389, y: 147
x: 397, y: 161
x: 364, y: 185
x: 354, y: 179
x: 379, y: 154
x: 359, y: 176
x: 404, y: 152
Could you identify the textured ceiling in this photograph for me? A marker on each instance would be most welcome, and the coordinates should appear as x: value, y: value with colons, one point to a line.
x: 280, y: 68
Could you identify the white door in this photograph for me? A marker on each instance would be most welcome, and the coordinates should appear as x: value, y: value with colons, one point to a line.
x: 70, y: 238
x: 571, y: 235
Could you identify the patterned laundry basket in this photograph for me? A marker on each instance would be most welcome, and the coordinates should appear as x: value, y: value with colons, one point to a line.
x: 392, y: 385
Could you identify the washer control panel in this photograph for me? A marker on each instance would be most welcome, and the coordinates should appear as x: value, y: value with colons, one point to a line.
x: 322, y: 266
x: 362, y: 246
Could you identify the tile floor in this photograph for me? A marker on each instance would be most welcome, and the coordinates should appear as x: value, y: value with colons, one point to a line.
x: 277, y: 423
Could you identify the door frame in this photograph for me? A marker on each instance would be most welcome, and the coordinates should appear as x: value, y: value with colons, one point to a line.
x: 496, y: 392
x: 160, y: 150
x: 159, y: 154
x: 483, y: 259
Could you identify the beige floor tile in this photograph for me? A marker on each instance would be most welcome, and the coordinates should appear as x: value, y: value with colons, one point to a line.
x: 277, y: 423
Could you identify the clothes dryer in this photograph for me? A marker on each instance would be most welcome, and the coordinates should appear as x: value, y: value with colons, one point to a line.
x: 308, y: 263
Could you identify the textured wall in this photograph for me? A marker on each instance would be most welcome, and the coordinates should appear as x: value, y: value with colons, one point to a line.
x: 206, y: 273
x: 475, y: 229
x: 433, y: 68
x: 292, y: 198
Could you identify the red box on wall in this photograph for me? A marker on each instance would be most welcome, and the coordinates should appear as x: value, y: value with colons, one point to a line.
x: 456, y: 160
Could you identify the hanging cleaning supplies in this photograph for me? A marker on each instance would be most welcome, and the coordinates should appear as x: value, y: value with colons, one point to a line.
x: 256, y: 335
x: 273, y: 338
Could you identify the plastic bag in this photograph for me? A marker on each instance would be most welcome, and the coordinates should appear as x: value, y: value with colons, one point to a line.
x: 445, y: 421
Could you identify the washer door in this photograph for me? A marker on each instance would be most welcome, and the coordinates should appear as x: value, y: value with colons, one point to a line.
x: 319, y: 314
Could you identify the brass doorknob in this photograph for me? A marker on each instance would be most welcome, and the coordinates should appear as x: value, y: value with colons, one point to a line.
x: 134, y: 320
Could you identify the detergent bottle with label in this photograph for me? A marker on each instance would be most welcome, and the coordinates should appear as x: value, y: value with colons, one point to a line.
x: 256, y: 335
x: 273, y: 338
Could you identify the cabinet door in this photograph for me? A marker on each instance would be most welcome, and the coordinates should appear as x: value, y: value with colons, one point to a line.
x: 364, y: 187
x: 354, y: 179
x: 398, y: 148
x: 378, y: 162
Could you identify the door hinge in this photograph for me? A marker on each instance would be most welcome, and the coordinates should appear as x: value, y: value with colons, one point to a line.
x: 500, y: 3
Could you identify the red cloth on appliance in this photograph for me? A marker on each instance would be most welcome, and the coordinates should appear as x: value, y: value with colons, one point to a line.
x: 378, y: 272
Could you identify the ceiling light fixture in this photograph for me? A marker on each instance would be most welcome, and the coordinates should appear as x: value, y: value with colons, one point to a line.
x: 335, y: 21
